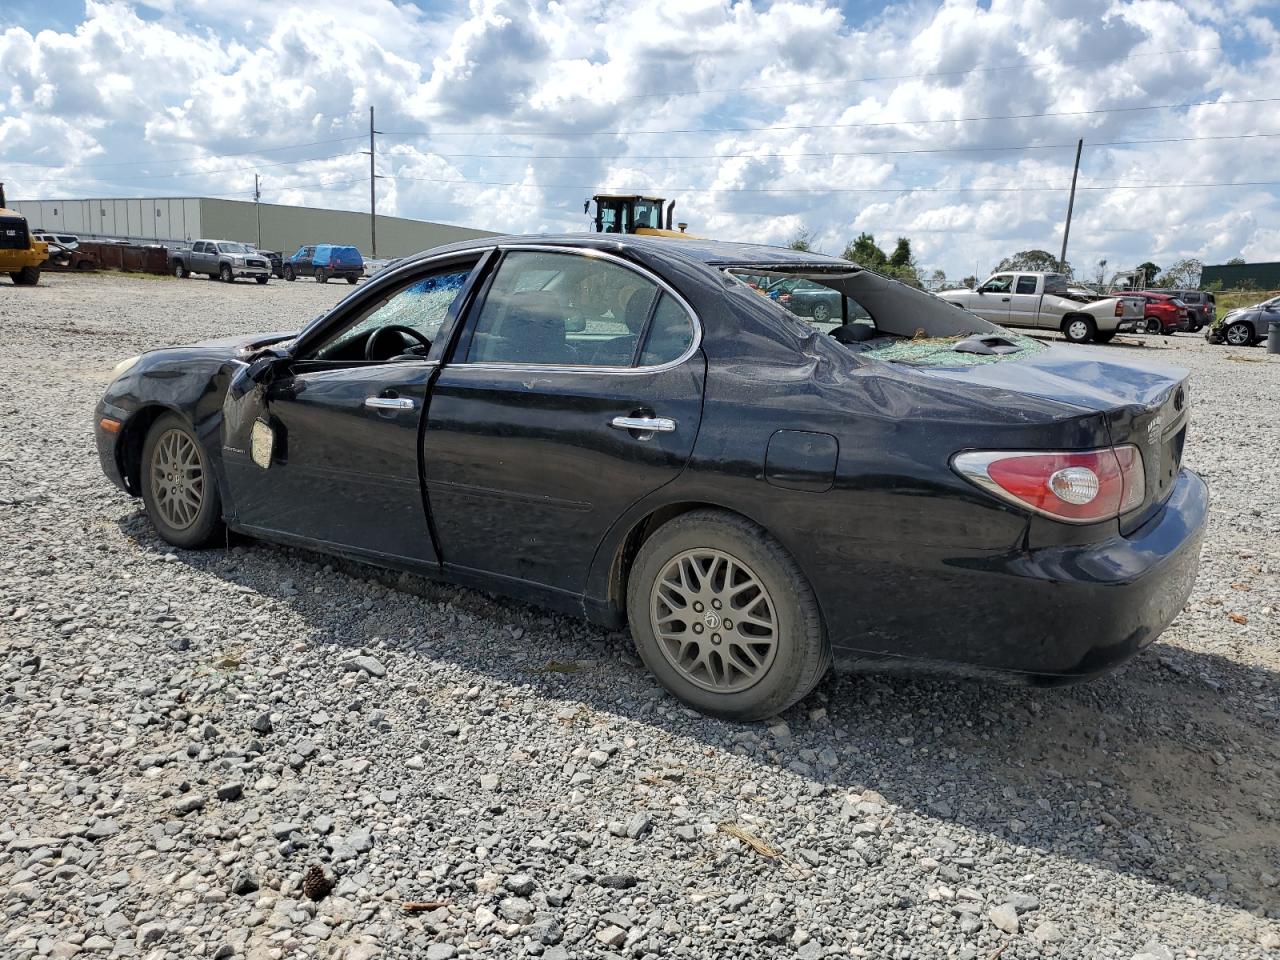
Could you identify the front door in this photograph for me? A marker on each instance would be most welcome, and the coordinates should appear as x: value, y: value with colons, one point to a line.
x: 992, y: 302
x: 344, y: 417
x: 574, y: 391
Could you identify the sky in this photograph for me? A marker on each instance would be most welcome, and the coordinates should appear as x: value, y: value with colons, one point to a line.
x: 953, y: 123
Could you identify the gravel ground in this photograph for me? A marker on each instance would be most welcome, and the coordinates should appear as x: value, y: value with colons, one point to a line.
x: 186, y: 734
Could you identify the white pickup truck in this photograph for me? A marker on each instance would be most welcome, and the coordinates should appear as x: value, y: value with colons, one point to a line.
x: 1043, y: 301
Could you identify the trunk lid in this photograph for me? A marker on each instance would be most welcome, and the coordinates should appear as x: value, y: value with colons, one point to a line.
x: 1147, y: 405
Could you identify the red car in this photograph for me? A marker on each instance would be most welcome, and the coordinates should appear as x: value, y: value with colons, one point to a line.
x: 1164, y: 313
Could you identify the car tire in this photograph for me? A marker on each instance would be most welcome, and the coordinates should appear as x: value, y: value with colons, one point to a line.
x: 1079, y: 329
x: 26, y: 277
x: 180, y: 271
x: 1153, y: 326
x: 1104, y: 336
x: 179, y: 490
x: 224, y: 274
x: 1238, y: 334
x: 321, y: 275
x: 821, y: 312
x: 288, y: 272
x: 762, y: 679
x: 352, y: 280
x: 262, y: 279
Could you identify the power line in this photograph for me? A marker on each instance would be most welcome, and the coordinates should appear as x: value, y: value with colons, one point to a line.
x: 208, y: 156
x: 201, y: 173
x: 1024, y: 62
x: 827, y: 190
x: 837, y: 153
x: 570, y: 135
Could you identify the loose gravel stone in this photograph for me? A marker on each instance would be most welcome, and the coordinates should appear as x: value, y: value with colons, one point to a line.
x: 523, y: 769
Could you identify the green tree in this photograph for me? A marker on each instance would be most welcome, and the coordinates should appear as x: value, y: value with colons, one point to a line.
x: 901, y: 256
x: 1183, y: 275
x: 865, y: 253
x: 1149, y: 271
x: 970, y: 281
x: 1029, y: 260
x: 803, y: 240
x: 1235, y: 261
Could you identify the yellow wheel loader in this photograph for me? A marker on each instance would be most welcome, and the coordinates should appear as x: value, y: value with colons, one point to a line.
x: 631, y: 213
x: 20, y: 254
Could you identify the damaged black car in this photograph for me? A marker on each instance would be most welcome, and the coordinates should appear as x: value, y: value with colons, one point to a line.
x: 622, y: 428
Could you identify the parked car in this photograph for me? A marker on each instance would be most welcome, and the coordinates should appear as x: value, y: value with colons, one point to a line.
x: 1045, y: 301
x: 225, y: 260
x: 325, y: 261
x: 754, y: 497
x: 1163, y: 313
x: 1245, y: 326
x: 69, y: 258
x: 67, y: 241
x: 1202, y: 307
x: 273, y: 257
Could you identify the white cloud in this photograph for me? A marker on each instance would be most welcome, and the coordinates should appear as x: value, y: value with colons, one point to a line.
x: 138, y: 84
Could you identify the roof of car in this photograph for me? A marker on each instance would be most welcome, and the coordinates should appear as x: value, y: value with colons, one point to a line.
x: 710, y: 252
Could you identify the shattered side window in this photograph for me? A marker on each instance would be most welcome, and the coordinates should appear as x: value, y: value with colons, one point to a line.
x: 422, y: 305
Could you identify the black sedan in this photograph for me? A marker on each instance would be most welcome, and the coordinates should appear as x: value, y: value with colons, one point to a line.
x: 620, y: 428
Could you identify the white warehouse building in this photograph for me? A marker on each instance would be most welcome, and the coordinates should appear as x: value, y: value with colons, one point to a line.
x: 174, y: 221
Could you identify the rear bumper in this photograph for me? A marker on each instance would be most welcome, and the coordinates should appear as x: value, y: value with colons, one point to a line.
x: 1128, y: 326
x: 1047, y: 616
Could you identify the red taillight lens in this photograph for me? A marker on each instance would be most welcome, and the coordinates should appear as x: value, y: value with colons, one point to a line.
x: 1077, y: 487
x: 1119, y: 308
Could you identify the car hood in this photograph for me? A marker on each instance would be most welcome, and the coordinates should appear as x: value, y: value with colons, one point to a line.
x: 1062, y: 375
x: 238, y: 346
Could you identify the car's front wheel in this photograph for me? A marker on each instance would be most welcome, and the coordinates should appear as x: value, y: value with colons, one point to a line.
x: 180, y: 271
x: 288, y: 272
x: 225, y: 274
x: 821, y: 312
x: 321, y: 275
x: 262, y: 279
x: 1239, y: 334
x: 179, y: 490
x: 722, y: 615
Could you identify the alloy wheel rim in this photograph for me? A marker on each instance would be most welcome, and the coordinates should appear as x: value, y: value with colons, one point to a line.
x: 177, y: 479
x: 1237, y: 335
x: 714, y: 620
x: 1078, y: 330
x: 821, y: 313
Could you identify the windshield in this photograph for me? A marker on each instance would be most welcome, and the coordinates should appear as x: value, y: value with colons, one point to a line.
x: 232, y: 248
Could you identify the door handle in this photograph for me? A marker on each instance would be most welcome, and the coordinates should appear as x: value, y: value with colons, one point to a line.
x: 388, y: 403
x: 1004, y: 299
x: 644, y: 424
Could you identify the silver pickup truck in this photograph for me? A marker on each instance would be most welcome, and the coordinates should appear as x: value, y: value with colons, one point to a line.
x: 224, y: 259
x: 1044, y: 301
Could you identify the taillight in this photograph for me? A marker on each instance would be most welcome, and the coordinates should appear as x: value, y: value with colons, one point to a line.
x: 1119, y: 308
x: 1076, y: 487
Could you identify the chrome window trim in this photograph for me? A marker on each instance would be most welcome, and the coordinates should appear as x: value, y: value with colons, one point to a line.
x: 589, y: 252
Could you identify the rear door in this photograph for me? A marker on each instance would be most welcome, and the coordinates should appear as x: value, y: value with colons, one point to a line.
x: 575, y: 389
x: 1024, y: 301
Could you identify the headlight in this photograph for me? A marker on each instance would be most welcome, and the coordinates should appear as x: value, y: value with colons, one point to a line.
x: 123, y: 367
x: 238, y: 261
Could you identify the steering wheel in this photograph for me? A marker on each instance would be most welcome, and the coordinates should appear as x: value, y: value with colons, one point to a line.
x: 409, y: 332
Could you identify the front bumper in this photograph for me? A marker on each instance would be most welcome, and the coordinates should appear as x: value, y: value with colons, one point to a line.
x: 1043, y: 616
x: 250, y: 271
x: 108, y: 443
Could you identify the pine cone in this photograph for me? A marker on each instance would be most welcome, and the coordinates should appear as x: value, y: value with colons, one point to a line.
x: 315, y: 884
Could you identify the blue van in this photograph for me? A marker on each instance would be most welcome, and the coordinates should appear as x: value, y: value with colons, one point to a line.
x: 323, y: 261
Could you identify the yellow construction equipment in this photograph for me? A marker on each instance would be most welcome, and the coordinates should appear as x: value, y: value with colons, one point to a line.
x: 20, y: 255
x: 632, y: 213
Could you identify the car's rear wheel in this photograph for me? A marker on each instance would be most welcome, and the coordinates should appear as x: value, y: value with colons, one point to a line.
x: 1239, y: 334
x: 1079, y: 329
x: 179, y: 490
x: 225, y: 274
x: 288, y: 272
x: 352, y: 280
x: 180, y: 271
x: 1153, y: 325
x: 821, y: 312
x: 1104, y: 336
x: 722, y: 615
x: 321, y: 275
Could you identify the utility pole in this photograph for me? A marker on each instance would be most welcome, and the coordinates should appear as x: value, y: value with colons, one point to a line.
x: 373, y: 193
x: 257, y: 208
x: 1066, y: 230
